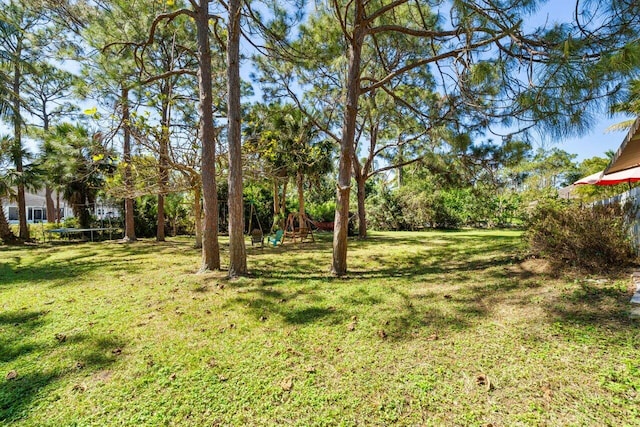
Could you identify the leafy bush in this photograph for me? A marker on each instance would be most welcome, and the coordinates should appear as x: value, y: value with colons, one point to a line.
x: 588, y: 238
x: 384, y: 211
x: 322, y: 211
x: 70, y: 222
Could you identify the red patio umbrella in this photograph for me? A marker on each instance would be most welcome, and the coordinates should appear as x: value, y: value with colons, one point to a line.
x: 591, y: 179
x: 628, y: 176
x: 599, y: 178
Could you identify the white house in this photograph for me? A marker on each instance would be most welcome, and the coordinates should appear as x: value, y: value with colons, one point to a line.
x: 36, y: 205
x: 36, y: 208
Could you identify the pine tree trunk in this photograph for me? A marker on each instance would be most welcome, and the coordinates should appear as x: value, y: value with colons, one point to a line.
x: 276, y: 202
x: 129, y: 225
x: 301, y: 213
x: 210, y: 245
x: 237, y: 250
x: 283, y: 203
x: 58, y: 214
x: 197, y: 211
x: 341, y: 221
x: 160, y: 234
x: 163, y: 160
x: 17, y: 141
x: 362, y: 214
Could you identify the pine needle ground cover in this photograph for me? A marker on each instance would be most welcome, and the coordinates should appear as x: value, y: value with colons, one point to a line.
x: 431, y: 328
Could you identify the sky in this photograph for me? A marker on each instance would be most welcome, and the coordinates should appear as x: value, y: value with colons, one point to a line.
x: 598, y: 140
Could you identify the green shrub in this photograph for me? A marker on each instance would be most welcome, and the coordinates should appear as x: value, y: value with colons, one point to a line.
x: 588, y: 238
x: 384, y: 211
x: 322, y: 211
x: 70, y: 222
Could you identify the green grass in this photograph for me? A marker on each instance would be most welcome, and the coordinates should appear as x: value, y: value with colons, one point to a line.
x: 431, y: 328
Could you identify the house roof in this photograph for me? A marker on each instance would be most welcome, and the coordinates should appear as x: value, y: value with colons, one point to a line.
x: 628, y: 155
x: 36, y: 199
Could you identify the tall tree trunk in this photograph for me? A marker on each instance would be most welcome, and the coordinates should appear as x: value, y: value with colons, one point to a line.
x: 359, y: 172
x: 6, y: 235
x: 49, y: 205
x: 210, y: 245
x: 48, y: 191
x: 362, y: 214
x: 129, y: 225
x: 17, y: 143
x: 58, y: 214
x: 163, y: 159
x: 283, y: 203
x: 160, y: 234
x: 400, y: 169
x: 276, y: 197
x: 341, y: 221
x: 237, y: 250
x: 301, y: 213
x: 197, y: 211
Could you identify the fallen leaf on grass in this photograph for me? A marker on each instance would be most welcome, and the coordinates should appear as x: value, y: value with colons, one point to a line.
x: 310, y: 370
x: 547, y: 392
x: 382, y: 334
x: 351, y: 326
x: 293, y: 352
x: 61, y: 337
x: 172, y: 376
x: 222, y: 378
x: 432, y: 337
x: 79, y: 388
x: 212, y: 363
x: 287, y: 384
x: 483, y: 380
x: 12, y: 375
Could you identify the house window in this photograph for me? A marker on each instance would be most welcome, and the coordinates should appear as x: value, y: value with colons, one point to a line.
x: 37, y: 214
x: 13, y: 213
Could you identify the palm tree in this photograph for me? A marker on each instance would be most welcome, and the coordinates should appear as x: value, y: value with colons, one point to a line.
x: 73, y: 160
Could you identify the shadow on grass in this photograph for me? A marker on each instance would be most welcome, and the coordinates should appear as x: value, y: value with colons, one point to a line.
x: 21, y: 338
x: 82, y: 259
x: 593, y: 304
x: 302, y: 306
x: 17, y: 326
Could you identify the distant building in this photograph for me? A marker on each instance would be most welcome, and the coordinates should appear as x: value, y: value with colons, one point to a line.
x: 36, y: 208
x: 36, y: 205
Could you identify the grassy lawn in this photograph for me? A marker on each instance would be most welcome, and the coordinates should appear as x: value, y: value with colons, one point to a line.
x: 430, y: 328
